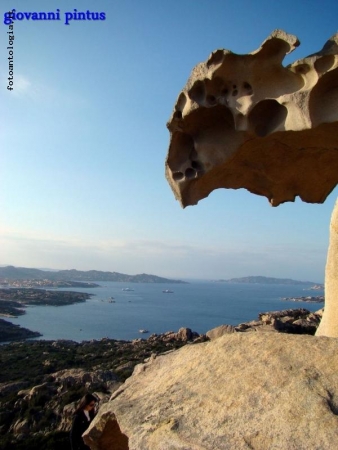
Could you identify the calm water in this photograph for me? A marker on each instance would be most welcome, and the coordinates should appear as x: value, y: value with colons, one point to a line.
x: 200, y: 306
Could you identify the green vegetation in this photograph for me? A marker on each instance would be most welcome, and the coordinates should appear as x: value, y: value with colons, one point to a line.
x: 58, y: 440
x: 27, y: 360
x: 10, y: 332
x: 11, y: 308
x: 37, y: 364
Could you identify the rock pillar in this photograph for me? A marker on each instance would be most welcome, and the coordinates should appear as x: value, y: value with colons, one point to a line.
x: 329, y: 323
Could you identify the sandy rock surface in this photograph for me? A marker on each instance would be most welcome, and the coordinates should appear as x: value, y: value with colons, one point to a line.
x: 262, y: 391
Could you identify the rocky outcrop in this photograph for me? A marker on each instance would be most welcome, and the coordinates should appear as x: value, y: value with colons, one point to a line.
x: 217, y: 332
x: 52, y: 394
x: 246, y: 121
x: 267, y: 391
x: 182, y: 335
x: 293, y: 321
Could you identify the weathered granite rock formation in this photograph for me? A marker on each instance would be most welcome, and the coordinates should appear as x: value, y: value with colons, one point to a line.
x: 245, y: 121
x: 267, y: 391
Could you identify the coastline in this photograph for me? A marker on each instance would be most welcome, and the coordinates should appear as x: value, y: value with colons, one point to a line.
x: 308, y: 299
x: 10, y: 332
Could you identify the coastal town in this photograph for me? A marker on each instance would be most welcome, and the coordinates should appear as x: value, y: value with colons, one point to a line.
x: 45, y: 283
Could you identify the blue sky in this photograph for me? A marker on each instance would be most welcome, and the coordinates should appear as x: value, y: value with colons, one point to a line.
x: 83, y: 141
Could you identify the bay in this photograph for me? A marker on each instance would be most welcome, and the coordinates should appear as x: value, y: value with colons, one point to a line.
x: 200, y: 306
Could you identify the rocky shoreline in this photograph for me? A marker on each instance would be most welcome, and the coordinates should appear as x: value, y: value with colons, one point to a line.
x: 308, y: 299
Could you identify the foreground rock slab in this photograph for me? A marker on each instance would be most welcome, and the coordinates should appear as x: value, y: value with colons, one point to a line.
x: 262, y: 391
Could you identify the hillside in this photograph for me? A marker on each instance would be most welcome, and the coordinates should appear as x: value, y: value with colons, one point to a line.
x: 41, y: 380
x: 22, y: 273
x: 266, y: 280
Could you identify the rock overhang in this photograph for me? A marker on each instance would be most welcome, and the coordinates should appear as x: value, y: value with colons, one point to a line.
x: 246, y: 121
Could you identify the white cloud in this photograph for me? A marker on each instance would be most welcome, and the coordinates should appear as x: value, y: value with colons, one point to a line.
x: 22, y: 86
x: 41, y: 92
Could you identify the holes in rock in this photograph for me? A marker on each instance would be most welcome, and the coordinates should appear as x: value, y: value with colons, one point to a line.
x: 193, y: 154
x: 225, y: 91
x: 234, y: 86
x: 248, y: 88
x: 324, y: 99
x: 197, y: 92
x: 177, y: 176
x: 211, y: 99
x: 303, y: 68
x: 324, y: 64
x: 182, y: 100
x: 181, y: 147
x: 190, y: 173
x: 266, y: 117
x: 178, y: 114
x: 196, y: 165
x: 234, y: 92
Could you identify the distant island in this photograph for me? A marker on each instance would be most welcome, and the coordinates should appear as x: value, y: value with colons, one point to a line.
x: 266, y: 280
x: 9, y: 273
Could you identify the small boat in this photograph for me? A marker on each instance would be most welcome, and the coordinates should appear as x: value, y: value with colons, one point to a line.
x: 111, y: 301
x: 167, y: 291
x: 143, y: 331
x: 127, y: 289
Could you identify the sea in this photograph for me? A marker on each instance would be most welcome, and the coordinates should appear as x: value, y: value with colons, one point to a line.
x: 115, y: 313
